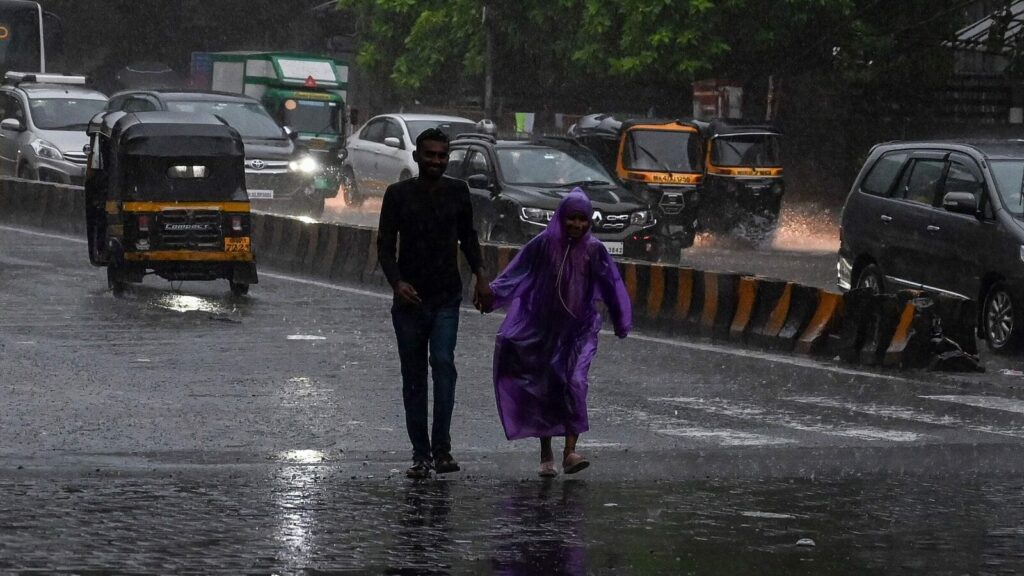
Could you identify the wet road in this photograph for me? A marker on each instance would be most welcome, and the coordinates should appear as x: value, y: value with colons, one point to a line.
x: 186, y: 431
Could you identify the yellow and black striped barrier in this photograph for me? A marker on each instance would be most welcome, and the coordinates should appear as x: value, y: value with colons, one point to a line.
x: 862, y: 328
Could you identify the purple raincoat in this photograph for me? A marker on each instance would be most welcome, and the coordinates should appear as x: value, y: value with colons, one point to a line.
x: 549, y: 336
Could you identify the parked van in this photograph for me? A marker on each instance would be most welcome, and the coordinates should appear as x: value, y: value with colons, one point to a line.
x: 946, y: 217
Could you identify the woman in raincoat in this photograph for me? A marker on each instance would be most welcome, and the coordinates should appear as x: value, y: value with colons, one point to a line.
x: 549, y: 337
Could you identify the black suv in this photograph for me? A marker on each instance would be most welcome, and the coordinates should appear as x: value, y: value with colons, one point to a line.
x: 277, y: 175
x: 517, y: 185
x: 945, y: 217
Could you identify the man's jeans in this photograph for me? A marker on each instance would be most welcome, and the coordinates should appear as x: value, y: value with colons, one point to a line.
x: 421, y: 330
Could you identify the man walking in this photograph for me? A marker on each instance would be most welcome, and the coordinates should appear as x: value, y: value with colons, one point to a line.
x: 423, y: 223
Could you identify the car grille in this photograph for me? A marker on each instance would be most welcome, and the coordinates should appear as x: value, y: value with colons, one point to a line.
x: 76, y: 157
x: 190, y: 229
x: 610, y: 222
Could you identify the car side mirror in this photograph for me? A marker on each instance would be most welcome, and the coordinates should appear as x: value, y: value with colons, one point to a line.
x: 393, y: 142
x: 12, y: 124
x: 960, y: 203
x: 291, y: 134
x: 479, y: 181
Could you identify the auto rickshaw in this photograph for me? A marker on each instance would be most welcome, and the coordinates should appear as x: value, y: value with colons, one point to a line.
x: 165, y: 195
x: 743, y: 181
x: 661, y: 161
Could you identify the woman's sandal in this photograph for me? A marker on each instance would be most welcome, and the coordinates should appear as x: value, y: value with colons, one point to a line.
x: 573, y: 463
x: 547, y: 469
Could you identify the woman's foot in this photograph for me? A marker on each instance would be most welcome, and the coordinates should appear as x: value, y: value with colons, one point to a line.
x: 547, y: 469
x: 573, y: 463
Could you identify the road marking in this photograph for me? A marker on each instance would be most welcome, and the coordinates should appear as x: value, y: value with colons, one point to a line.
x: 990, y: 402
x: 905, y: 413
x: 679, y: 428
x: 700, y: 347
x: 787, y: 419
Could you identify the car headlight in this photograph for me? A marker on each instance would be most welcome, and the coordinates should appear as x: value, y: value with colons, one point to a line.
x: 44, y: 149
x: 642, y: 218
x: 536, y: 215
x: 306, y: 165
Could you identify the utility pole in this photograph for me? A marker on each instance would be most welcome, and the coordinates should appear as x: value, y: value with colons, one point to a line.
x: 488, y: 60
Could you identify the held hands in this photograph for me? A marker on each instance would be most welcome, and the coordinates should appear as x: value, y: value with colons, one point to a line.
x: 483, y: 297
x: 406, y: 293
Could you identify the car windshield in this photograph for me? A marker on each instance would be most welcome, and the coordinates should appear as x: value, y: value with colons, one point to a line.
x: 1009, y: 177
x: 312, y: 116
x: 662, y: 151
x: 452, y: 129
x: 249, y: 118
x: 64, y: 113
x: 550, y: 167
x: 746, y: 150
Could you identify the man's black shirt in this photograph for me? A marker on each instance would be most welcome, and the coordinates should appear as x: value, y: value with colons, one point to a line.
x: 420, y: 233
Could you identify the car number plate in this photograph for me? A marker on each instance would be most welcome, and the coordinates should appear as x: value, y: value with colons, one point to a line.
x: 614, y: 248
x: 261, y: 194
x: 236, y: 244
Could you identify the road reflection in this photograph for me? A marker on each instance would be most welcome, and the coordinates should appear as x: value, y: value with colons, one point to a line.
x: 423, y: 544
x: 545, y: 530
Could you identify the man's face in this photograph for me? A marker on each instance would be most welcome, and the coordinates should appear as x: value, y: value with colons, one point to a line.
x: 432, y: 158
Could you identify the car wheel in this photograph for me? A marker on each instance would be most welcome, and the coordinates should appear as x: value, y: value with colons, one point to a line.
x: 115, y: 279
x: 870, y: 277
x: 352, y: 195
x: 26, y: 172
x: 999, y: 320
x: 238, y: 288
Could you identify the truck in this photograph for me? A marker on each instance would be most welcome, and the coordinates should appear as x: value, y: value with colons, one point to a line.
x: 305, y: 93
x: 26, y: 31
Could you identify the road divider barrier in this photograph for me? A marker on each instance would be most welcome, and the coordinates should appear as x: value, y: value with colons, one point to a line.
x: 904, y: 330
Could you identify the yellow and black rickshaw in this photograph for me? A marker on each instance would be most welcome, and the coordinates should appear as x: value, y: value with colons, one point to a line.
x: 743, y: 181
x: 661, y: 161
x: 165, y: 195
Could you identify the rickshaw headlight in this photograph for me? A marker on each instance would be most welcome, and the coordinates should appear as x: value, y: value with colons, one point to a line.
x: 642, y: 218
x: 44, y: 149
x: 306, y: 165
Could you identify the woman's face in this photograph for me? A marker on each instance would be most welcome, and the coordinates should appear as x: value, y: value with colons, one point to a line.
x: 576, y: 225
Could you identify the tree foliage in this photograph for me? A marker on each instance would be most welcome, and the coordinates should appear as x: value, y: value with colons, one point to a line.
x: 431, y: 46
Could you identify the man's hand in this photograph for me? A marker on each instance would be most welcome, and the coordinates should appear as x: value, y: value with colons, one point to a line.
x: 483, y: 297
x: 406, y: 293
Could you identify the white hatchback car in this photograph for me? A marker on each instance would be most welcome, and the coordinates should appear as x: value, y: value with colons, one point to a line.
x: 380, y: 153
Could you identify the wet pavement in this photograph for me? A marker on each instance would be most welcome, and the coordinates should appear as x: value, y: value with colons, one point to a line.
x: 181, y: 430
x: 319, y: 520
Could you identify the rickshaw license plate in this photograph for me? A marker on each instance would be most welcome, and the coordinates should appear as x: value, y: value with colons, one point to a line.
x: 261, y: 194
x: 236, y: 244
x: 614, y: 248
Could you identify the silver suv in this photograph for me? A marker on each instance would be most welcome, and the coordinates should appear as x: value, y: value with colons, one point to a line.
x: 43, y: 118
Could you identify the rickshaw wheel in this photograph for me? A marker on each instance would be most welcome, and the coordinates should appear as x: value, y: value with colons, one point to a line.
x: 238, y: 288
x: 114, y: 281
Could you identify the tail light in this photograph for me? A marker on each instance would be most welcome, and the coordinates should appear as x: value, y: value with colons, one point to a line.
x: 144, y: 222
x: 236, y: 223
